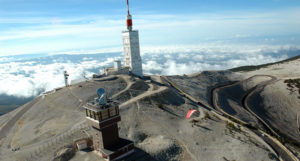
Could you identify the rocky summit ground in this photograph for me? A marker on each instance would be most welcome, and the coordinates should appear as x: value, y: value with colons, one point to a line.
x: 244, y: 116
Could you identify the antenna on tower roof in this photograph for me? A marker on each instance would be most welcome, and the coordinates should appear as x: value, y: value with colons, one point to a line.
x: 129, y: 18
x: 128, y: 7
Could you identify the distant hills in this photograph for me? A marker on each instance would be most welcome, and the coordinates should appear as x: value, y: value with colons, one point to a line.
x: 256, y: 67
x: 9, y: 103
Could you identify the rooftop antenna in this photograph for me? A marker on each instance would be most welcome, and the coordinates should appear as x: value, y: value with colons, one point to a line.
x: 129, y: 18
x: 128, y: 7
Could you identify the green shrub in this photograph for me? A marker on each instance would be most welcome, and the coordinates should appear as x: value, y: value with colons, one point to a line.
x: 231, y: 127
x: 271, y: 156
x: 160, y: 105
x: 194, y: 121
x: 206, y: 115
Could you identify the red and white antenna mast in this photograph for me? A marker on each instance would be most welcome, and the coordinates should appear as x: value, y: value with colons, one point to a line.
x: 129, y: 18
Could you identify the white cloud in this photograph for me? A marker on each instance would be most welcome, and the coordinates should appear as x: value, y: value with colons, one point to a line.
x: 152, y: 65
x: 29, y: 77
x: 25, y: 79
x: 174, y: 60
x: 173, y: 68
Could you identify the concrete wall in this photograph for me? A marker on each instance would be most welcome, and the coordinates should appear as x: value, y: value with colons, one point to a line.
x: 112, y: 71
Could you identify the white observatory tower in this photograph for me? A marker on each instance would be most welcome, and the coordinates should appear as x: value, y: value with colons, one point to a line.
x: 66, y: 76
x: 131, y: 47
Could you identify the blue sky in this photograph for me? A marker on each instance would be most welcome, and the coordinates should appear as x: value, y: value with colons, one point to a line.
x: 87, y: 26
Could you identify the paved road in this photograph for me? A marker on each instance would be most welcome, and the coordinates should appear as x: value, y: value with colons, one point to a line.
x: 7, y: 127
x: 250, y: 93
x: 280, y: 149
x: 143, y: 95
x: 129, y: 84
x: 215, y: 104
x: 215, y: 108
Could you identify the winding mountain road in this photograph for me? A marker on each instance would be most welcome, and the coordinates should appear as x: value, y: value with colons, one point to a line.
x: 129, y: 84
x: 281, y: 150
x: 277, y: 146
x: 250, y: 93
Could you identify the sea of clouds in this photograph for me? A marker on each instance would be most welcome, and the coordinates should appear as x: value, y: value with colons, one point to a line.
x: 30, y: 76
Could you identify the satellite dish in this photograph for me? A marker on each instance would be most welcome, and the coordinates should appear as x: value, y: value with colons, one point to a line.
x: 100, y: 92
x: 102, y: 96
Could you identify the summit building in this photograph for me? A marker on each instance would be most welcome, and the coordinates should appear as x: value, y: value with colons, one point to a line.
x: 131, y: 47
